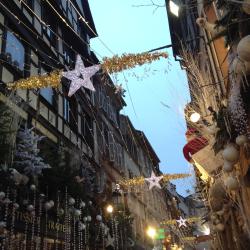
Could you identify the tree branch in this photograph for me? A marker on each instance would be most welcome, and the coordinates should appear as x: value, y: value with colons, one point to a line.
x: 151, y: 4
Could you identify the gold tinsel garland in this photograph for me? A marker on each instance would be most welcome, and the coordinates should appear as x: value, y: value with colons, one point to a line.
x: 188, y: 238
x: 140, y: 180
x: 36, y: 82
x: 110, y: 65
x: 127, y: 61
x: 173, y: 222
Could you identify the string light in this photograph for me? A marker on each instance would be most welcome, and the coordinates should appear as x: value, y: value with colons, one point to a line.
x: 127, y: 61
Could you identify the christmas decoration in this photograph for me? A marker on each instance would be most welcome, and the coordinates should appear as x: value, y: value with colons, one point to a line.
x: 110, y: 241
x: 241, y: 140
x: 140, y: 180
x: 82, y: 204
x: 99, y: 217
x: 82, y: 226
x: 246, y: 6
x: 117, y: 63
x: 17, y: 177
x: 220, y: 227
x: 154, y: 180
x: 79, y: 179
x: 77, y: 213
x: 80, y: 76
x: 36, y: 82
x: 52, y: 203
x: 181, y: 222
x: 30, y: 208
x: 188, y: 239
x: 2, y: 195
x: 211, y: 27
x: 71, y: 201
x: 237, y: 110
x: 240, y: 67
x: 243, y: 48
x: 119, y: 90
x: 26, y: 153
x: 228, y: 166
x: 33, y: 187
x: 47, y: 206
x: 231, y: 183
x: 174, y: 222
x: 230, y: 153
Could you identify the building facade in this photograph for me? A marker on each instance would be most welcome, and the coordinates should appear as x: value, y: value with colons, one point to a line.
x: 86, y: 142
x: 220, y: 100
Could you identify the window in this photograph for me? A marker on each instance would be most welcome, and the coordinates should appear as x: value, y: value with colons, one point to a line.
x: 73, y: 113
x: 51, y: 28
x: 69, y: 55
x: 79, y: 3
x: 87, y: 127
x: 66, y: 109
x: 1, y: 41
x: 47, y: 94
x: 15, y: 50
x: 34, y: 64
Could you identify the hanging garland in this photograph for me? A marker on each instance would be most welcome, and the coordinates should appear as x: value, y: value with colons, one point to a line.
x: 80, y: 76
x: 176, y: 222
x: 117, y: 63
x: 140, y: 180
x: 36, y: 82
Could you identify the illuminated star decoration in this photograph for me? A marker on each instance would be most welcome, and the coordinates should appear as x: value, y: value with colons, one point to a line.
x: 110, y: 241
x: 119, y: 90
x: 80, y: 76
x: 181, y: 222
x: 154, y: 180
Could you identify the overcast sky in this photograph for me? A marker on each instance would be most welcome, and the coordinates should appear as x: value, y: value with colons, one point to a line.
x: 155, y: 104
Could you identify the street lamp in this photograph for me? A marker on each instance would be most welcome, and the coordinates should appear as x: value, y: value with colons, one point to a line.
x: 174, y: 8
x: 195, y: 117
x: 151, y: 232
x: 110, y: 209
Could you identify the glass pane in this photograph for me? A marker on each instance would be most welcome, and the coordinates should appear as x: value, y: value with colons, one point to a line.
x: 16, y: 50
x: 47, y: 93
x: 79, y: 3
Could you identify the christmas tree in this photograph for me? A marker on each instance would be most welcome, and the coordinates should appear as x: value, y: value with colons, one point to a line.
x: 27, y: 159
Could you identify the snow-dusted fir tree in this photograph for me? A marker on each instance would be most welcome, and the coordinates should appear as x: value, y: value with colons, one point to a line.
x: 26, y: 155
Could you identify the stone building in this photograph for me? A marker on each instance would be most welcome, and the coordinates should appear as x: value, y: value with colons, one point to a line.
x: 218, y: 71
x: 99, y: 146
